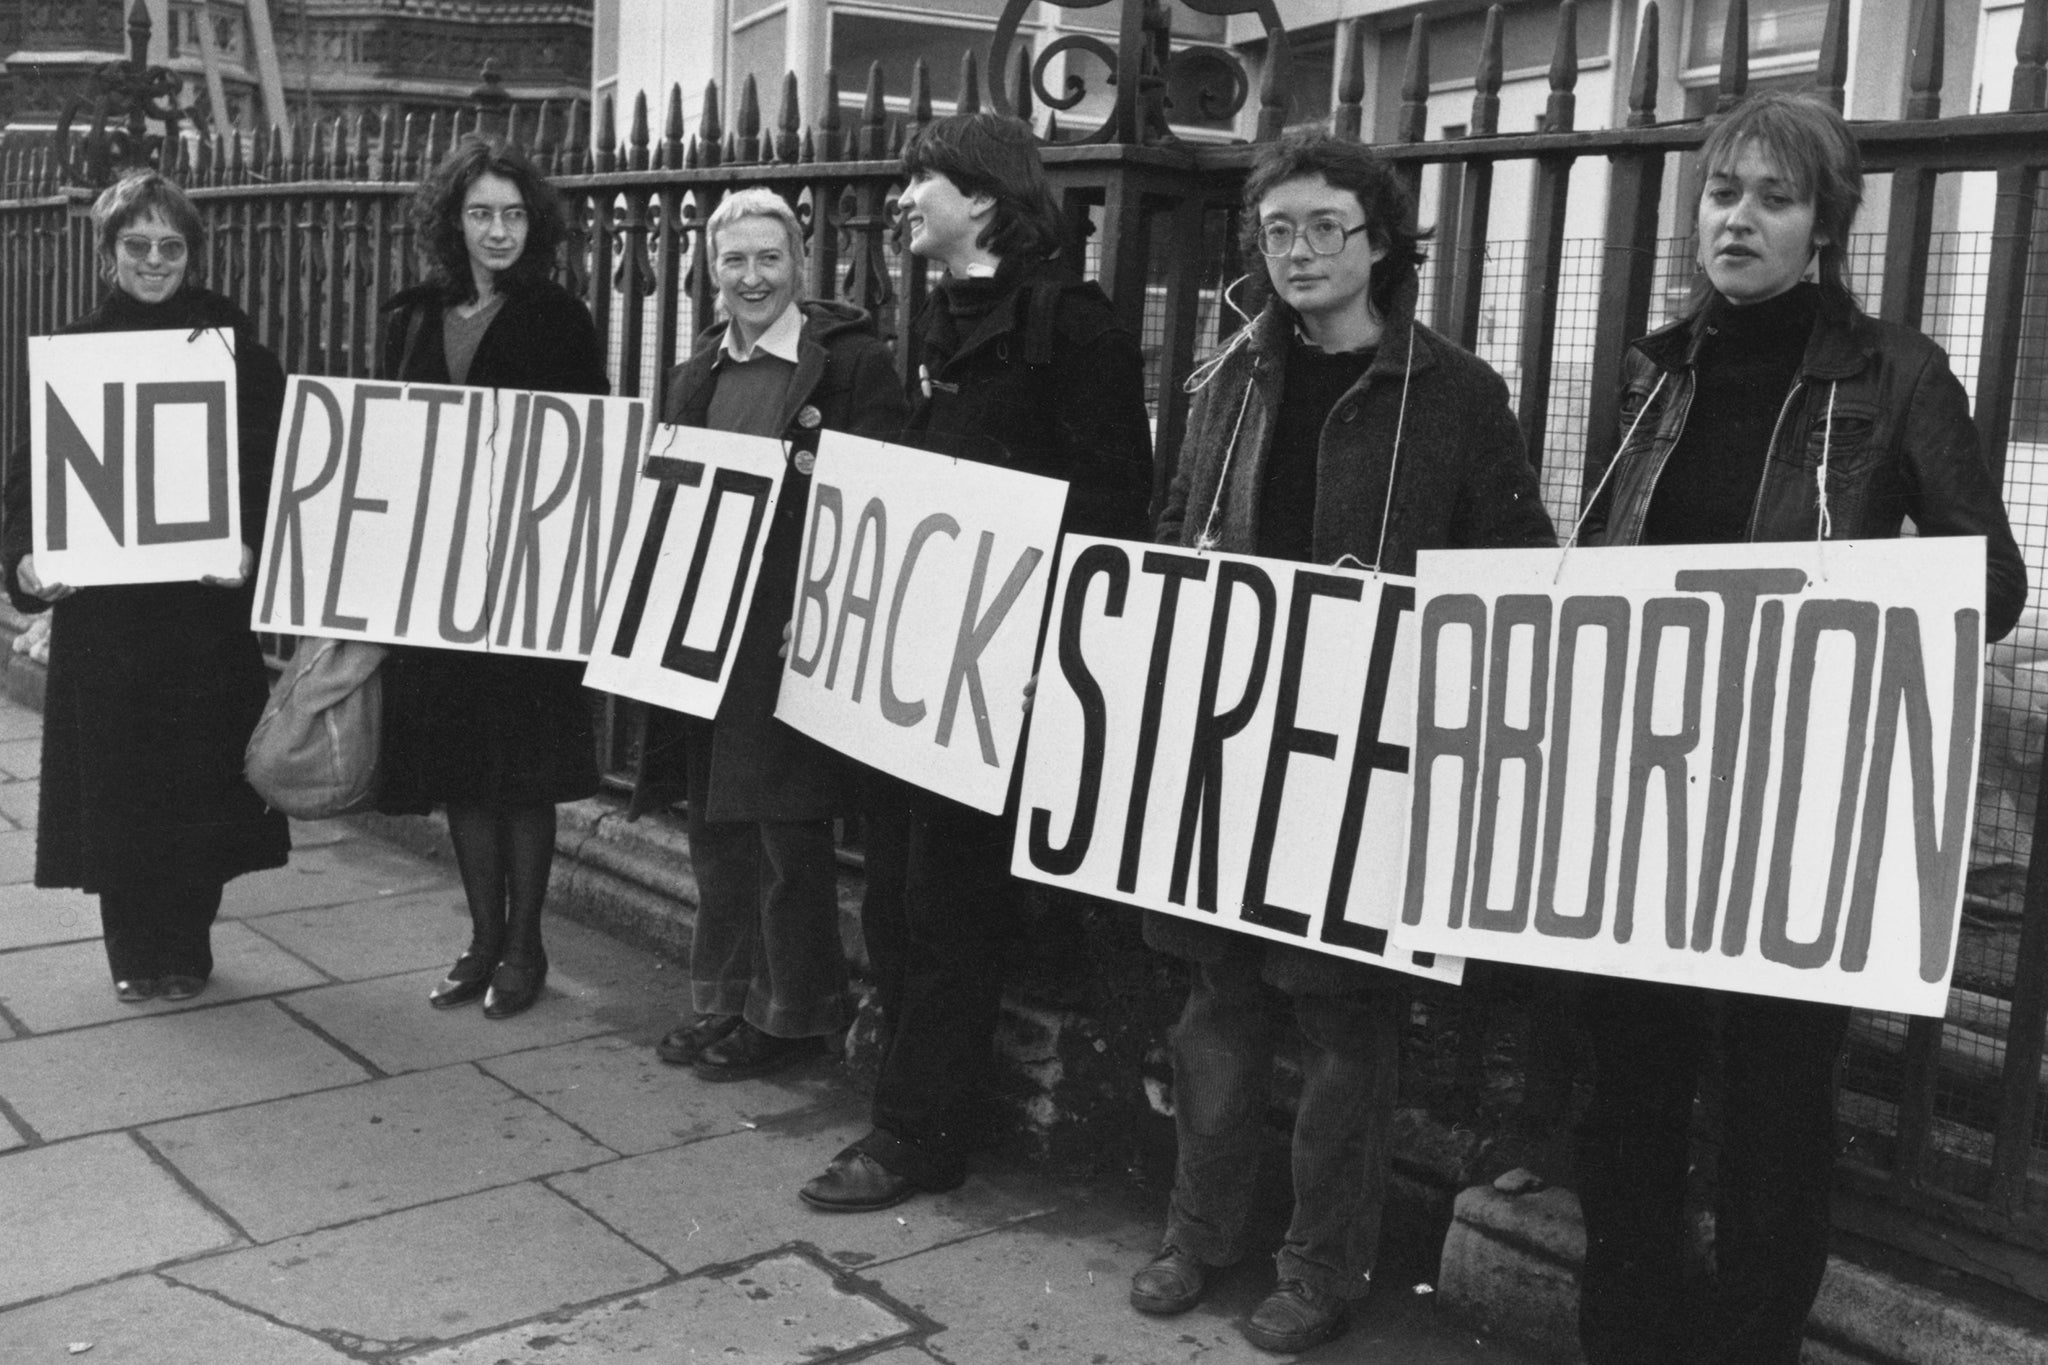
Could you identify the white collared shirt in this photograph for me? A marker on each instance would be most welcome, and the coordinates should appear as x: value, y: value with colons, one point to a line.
x: 780, y: 340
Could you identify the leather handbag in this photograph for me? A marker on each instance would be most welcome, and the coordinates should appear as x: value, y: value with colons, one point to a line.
x: 314, y: 753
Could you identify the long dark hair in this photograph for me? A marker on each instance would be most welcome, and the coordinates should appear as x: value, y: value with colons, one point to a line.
x: 995, y: 155
x: 437, y: 217
x: 1389, y: 208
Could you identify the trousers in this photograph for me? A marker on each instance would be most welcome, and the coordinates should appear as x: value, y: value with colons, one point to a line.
x: 1651, y: 1043
x: 766, y: 945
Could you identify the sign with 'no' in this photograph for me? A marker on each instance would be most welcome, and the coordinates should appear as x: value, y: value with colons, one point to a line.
x: 133, y: 457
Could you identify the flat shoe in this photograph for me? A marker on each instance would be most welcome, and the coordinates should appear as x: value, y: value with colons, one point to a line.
x: 681, y: 1045
x: 515, y: 986
x: 856, y: 1183
x: 467, y: 980
x: 136, y: 991
x: 1172, y: 1283
x: 747, y: 1052
x: 1293, y: 1318
x: 180, y: 987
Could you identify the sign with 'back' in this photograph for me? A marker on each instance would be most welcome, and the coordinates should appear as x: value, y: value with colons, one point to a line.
x: 1747, y: 767
x: 918, y: 599
x: 134, y: 457
x: 453, y: 518
x: 1226, y: 739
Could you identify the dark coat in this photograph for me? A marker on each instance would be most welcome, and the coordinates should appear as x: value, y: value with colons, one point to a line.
x: 1462, y: 482
x: 490, y: 729
x: 1074, y: 409
x: 153, y: 688
x: 1891, y: 415
x: 749, y: 765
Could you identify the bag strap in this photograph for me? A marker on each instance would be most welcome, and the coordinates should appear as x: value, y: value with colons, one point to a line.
x: 1039, y: 316
x: 415, y: 323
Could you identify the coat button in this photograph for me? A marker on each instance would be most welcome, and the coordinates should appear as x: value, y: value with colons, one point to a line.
x: 1348, y: 413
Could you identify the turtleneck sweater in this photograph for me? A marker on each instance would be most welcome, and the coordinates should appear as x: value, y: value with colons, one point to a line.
x: 1747, y: 363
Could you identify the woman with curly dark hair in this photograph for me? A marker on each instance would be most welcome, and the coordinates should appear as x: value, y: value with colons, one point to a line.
x: 498, y: 741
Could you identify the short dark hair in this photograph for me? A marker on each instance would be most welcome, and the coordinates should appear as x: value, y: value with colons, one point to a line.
x: 1383, y: 196
x: 437, y: 216
x: 995, y: 155
x: 139, y: 195
x: 1815, y: 153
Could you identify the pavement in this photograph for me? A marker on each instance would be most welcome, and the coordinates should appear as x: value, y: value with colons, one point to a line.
x: 308, y: 1166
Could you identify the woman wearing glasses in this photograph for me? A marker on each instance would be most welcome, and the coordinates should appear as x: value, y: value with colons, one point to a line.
x: 153, y: 688
x: 1334, y: 429
x: 496, y: 740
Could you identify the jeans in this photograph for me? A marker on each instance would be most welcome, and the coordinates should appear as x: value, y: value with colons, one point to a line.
x: 164, y: 930
x: 938, y: 917
x: 1223, y: 1063
x: 766, y: 945
x: 1772, y: 1217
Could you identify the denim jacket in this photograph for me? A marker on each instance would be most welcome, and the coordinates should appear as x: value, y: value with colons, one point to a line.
x: 1875, y: 406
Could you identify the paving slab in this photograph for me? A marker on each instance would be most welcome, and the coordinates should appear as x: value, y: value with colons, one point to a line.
x: 727, y: 1198
x: 329, y: 874
x: 66, y: 985
x: 31, y: 916
x: 20, y: 722
x: 316, y: 1161
x: 143, y: 1321
x: 84, y: 1211
x: 387, y: 1019
x: 374, y: 938
x: 616, y: 1090
x: 18, y: 802
x: 17, y: 856
x: 432, y: 1274
x: 145, y: 1069
x: 22, y: 757
x: 783, y: 1309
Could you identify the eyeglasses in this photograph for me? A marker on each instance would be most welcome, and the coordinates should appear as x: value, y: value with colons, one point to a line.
x: 1325, y: 237
x: 481, y: 217
x: 136, y: 247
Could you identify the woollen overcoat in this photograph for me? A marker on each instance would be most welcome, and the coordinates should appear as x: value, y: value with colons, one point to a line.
x: 153, y: 688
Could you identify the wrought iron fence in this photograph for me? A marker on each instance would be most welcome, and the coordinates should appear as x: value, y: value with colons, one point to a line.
x: 309, y: 232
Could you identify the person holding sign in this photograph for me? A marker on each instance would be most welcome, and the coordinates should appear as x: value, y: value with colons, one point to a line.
x: 496, y: 740
x: 767, y: 973
x: 154, y: 688
x: 1333, y: 429
x: 1023, y: 366
x: 1775, y: 410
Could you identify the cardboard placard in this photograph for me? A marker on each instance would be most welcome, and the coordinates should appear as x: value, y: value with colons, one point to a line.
x: 671, y: 626
x: 134, y: 457
x: 918, y: 601
x: 1225, y: 738
x: 454, y: 518
x: 1745, y: 767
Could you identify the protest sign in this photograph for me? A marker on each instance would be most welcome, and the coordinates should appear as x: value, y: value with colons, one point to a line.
x: 1747, y: 767
x: 1226, y: 739
x: 454, y: 518
x: 133, y: 457
x: 918, y: 601
x: 671, y: 626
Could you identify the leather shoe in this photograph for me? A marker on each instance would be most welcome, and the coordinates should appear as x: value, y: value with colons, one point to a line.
x: 136, y: 991
x: 1293, y: 1318
x: 856, y: 1183
x: 1172, y: 1283
x: 467, y: 980
x: 747, y: 1052
x: 180, y: 987
x: 515, y: 985
x: 681, y: 1045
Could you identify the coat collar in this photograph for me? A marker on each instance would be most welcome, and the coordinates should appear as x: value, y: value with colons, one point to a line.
x: 1838, y: 347
x: 689, y: 403
x: 1274, y: 327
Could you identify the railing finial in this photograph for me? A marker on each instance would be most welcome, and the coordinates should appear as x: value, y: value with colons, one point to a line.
x: 1560, y: 111
x: 1734, y: 79
x: 1415, y: 84
x: 1642, y: 80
